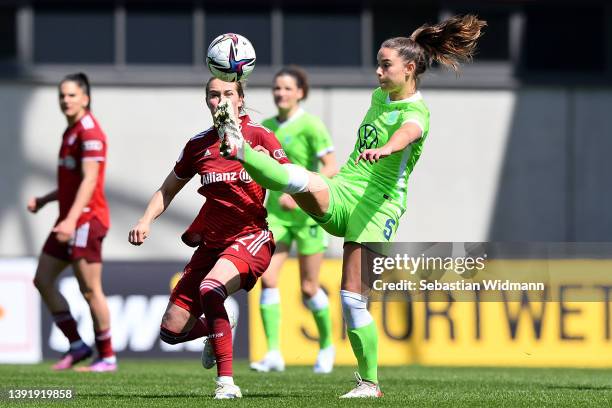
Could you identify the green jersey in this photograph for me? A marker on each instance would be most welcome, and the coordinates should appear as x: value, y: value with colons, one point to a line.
x: 389, y: 176
x: 305, y: 139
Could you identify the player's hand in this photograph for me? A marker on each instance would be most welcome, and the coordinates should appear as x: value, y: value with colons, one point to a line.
x: 287, y: 202
x: 35, y: 204
x: 65, y: 230
x: 374, y: 155
x: 261, y: 149
x: 139, y: 233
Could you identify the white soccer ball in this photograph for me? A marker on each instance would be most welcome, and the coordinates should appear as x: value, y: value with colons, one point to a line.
x: 230, y: 57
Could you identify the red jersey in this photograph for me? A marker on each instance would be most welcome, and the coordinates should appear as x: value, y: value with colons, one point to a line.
x: 234, y: 202
x: 81, y: 142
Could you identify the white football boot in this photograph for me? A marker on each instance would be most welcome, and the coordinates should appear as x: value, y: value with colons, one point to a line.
x: 227, y: 391
x: 272, y: 361
x: 325, y: 360
x: 364, y: 389
x: 230, y: 135
x: 208, y: 352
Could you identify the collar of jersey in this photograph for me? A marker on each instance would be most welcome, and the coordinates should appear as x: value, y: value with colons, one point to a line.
x: 416, y: 97
x: 296, y: 115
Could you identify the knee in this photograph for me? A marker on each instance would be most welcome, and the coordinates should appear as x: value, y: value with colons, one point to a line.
x: 41, y: 284
x: 170, y: 337
x: 90, y: 294
x: 212, y: 292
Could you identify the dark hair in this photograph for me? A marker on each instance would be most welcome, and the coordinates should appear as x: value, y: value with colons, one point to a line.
x: 449, y: 43
x: 297, y: 73
x: 82, y: 81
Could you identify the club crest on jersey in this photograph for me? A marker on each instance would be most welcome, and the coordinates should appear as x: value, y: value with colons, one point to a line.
x: 368, y: 137
x: 71, y: 139
x: 279, y: 154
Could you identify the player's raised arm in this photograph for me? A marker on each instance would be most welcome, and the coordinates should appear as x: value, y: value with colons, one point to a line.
x: 157, y: 205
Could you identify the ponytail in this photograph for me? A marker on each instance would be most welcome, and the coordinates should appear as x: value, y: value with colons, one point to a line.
x: 82, y: 81
x: 448, y: 43
x: 451, y: 41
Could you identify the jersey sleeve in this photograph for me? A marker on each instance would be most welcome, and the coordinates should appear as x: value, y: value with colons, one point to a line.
x: 184, y: 168
x: 93, y: 145
x: 268, y: 140
x: 320, y: 138
x: 415, y: 116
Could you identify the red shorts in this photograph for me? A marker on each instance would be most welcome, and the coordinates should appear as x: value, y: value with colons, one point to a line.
x: 255, y: 250
x: 86, y: 244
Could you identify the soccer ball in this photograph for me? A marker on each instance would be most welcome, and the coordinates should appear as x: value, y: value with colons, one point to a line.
x: 230, y: 57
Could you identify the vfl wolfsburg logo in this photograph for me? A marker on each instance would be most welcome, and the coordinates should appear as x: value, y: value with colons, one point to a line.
x: 368, y: 137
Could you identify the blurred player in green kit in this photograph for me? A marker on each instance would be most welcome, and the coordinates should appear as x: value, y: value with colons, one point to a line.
x: 307, y: 143
x: 365, y: 201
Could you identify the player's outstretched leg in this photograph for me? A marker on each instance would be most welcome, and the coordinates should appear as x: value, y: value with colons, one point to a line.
x: 266, y: 171
x: 363, y: 337
x: 228, y: 128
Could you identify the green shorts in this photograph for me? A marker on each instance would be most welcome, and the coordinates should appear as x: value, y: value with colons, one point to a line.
x: 310, y: 239
x: 359, y: 215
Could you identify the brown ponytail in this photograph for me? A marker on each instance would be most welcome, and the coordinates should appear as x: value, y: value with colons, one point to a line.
x: 449, y: 43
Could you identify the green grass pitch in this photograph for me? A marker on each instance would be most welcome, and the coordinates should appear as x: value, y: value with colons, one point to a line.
x: 179, y: 383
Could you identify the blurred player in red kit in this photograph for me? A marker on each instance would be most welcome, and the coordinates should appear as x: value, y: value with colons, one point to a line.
x: 234, y: 244
x: 81, y: 226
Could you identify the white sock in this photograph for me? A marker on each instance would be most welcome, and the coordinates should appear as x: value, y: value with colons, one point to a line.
x: 298, y: 179
x: 110, y: 360
x: 318, y: 302
x: 355, y: 310
x: 225, y: 379
x: 269, y: 296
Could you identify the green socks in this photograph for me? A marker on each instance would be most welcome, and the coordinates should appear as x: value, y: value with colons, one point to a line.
x: 323, y: 320
x: 266, y: 171
x: 364, y: 342
x: 270, y: 315
x: 319, y: 306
